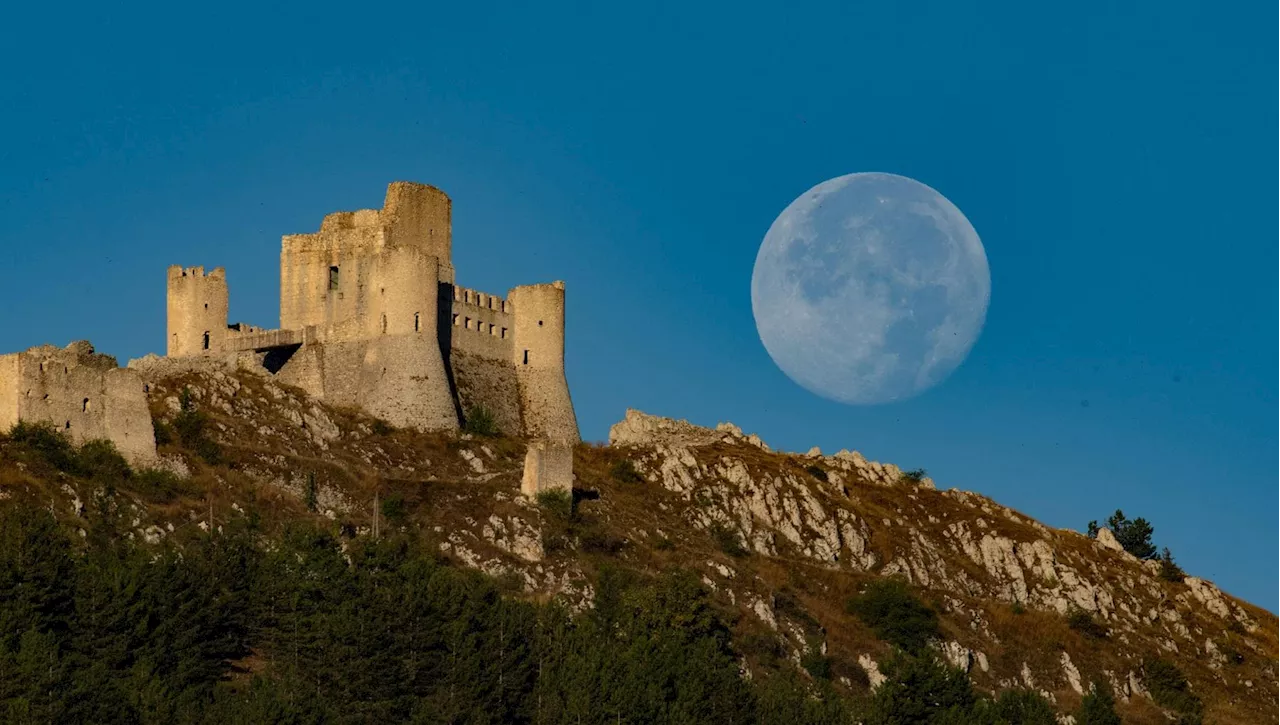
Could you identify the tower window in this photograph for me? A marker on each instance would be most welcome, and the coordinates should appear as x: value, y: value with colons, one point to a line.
x: 384, y: 324
x: 333, y: 277
x: 526, y: 357
x: 539, y: 323
x: 84, y: 407
x: 504, y: 333
x: 206, y: 340
x: 416, y: 323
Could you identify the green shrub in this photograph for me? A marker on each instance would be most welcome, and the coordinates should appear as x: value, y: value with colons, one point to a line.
x: 815, y: 663
x: 1023, y: 707
x: 480, y: 421
x: 381, y: 427
x: 817, y: 472
x: 394, y: 509
x: 1169, y: 688
x: 624, y: 471
x: 1098, y: 707
x: 163, y: 432
x: 100, y: 461
x: 557, y: 504
x: 1169, y: 570
x: 159, y: 485
x: 915, y: 475
x: 1084, y: 623
x: 664, y: 544
x: 47, y: 443
x: 190, y: 425
x: 727, y: 539
x: 312, y: 494
x: 895, y: 614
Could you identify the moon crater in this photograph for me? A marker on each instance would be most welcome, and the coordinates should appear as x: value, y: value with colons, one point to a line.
x: 870, y: 288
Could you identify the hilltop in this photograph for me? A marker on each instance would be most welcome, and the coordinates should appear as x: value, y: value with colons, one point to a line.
x: 782, y: 544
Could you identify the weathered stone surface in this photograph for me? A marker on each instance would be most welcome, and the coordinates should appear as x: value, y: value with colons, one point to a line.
x: 80, y: 393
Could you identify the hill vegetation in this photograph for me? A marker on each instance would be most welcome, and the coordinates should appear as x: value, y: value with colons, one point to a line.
x: 289, y: 562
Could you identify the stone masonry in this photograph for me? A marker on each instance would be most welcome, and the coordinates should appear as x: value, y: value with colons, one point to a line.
x: 81, y: 393
x: 371, y: 316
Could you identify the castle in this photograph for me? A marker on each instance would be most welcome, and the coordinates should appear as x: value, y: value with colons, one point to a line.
x: 370, y: 316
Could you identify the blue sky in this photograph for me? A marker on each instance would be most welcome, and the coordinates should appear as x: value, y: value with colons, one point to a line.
x: 1110, y: 159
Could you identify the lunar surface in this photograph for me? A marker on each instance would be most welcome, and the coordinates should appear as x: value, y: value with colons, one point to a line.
x: 870, y: 288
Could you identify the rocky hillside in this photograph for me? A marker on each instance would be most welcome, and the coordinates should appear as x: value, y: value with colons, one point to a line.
x: 783, y: 540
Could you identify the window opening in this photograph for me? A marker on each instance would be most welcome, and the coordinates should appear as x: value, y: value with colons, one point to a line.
x: 333, y: 277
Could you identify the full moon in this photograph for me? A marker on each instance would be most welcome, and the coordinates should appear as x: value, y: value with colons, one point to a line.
x: 870, y: 288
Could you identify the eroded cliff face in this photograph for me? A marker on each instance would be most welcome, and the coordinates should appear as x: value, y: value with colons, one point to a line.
x: 782, y: 539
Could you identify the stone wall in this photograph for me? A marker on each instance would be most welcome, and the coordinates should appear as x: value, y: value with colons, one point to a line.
x: 85, y: 395
x: 491, y: 383
x: 548, y: 466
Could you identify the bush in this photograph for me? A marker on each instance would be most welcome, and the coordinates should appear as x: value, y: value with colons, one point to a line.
x: 815, y: 663
x: 190, y: 425
x: 558, y: 504
x: 1169, y: 688
x: 624, y: 471
x: 1084, y: 623
x: 100, y: 461
x: 817, y: 472
x: 1023, y: 707
x: 394, y: 509
x: 480, y: 421
x: 1098, y: 707
x: 664, y: 544
x: 381, y: 427
x: 596, y: 540
x: 728, y: 541
x: 46, y: 442
x: 162, y: 431
x: 915, y: 475
x: 895, y: 614
x: 158, y: 485
x: 1169, y: 570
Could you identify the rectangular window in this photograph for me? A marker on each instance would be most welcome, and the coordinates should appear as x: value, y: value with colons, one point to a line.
x: 333, y: 277
x: 526, y: 357
x: 504, y: 333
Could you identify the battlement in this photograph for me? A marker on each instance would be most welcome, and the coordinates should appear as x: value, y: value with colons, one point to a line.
x: 483, y: 300
x: 177, y: 271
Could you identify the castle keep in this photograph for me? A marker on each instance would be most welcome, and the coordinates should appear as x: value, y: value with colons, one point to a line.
x: 371, y: 316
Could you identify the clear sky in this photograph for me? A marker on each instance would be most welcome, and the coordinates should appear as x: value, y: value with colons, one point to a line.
x: 1109, y: 156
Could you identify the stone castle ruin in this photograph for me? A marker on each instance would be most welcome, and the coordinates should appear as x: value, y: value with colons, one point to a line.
x: 370, y: 317
x: 85, y: 395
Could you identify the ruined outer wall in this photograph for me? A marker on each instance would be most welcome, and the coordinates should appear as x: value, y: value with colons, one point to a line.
x: 538, y: 353
x: 197, y: 305
x: 84, y: 395
x: 8, y: 391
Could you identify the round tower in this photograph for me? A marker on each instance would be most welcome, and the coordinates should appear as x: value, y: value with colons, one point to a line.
x: 546, y: 410
x: 402, y: 379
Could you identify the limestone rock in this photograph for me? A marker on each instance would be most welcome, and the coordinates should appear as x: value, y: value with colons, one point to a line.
x: 1107, y: 540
